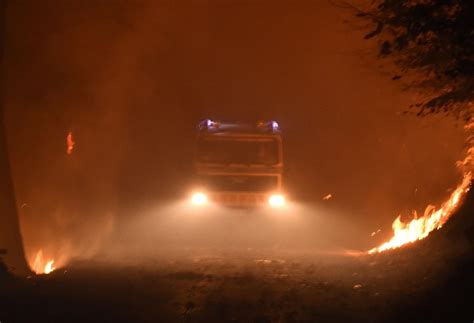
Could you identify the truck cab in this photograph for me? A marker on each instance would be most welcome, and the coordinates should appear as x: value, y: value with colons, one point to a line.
x: 238, y: 165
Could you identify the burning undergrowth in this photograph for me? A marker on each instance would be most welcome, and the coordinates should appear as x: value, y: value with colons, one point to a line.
x: 41, y: 264
x: 65, y: 241
x: 433, y: 218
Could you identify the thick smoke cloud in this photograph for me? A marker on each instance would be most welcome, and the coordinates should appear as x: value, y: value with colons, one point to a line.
x: 131, y: 79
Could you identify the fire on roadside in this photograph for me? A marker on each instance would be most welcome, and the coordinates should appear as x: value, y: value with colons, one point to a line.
x: 433, y: 219
x: 41, y: 265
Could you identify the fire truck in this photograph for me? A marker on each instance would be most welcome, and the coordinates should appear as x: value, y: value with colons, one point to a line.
x: 238, y: 165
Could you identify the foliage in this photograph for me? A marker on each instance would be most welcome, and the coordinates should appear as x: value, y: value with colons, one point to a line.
x: 434, y: 38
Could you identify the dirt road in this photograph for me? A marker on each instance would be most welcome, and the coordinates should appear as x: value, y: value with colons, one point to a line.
x: 209, y: 285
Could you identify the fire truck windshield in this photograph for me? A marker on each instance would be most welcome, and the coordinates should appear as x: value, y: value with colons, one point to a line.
x: 231, y: 150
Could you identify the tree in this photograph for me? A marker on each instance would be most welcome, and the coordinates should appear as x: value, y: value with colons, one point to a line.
x: 11, y: 244
x: 434, y: 39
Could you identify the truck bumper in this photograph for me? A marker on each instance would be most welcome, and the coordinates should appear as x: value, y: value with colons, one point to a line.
x: 239, y: 199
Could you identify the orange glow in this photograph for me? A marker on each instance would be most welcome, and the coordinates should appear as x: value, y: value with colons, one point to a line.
x: 433, y: 219
x: 40, y: 265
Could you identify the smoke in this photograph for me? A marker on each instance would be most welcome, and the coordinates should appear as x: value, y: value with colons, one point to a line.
x: 180, y: 229
x: 130, y: 80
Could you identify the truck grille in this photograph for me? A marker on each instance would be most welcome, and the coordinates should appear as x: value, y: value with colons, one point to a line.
x: 239, y: 199
x: 239, y: 183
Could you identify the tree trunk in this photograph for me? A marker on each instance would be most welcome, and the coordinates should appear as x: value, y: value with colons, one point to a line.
x: 11, y: 245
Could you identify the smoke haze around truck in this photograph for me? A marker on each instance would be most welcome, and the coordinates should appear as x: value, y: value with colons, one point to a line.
x: 130, y: 80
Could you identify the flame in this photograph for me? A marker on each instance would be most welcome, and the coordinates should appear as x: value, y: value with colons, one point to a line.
x: 70, y: 143
x: 42, y: 266
x: 49, y: 267
x: 433, y: 219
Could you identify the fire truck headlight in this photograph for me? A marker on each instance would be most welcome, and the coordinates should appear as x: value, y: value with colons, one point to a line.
x: 276, y: 200
x: 199, y: 198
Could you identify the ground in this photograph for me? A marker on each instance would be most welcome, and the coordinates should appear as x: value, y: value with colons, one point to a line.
x: 419, y: 283
x: 141, y: 279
